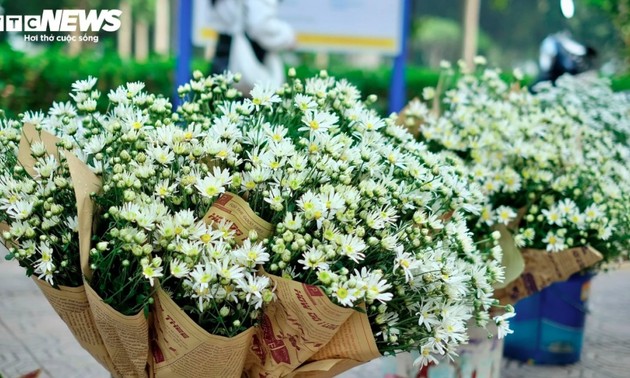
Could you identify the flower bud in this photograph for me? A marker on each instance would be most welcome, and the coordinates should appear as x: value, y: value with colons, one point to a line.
x: 287, y: 236
x: 267, y: 296
x: 224, y: 311
x: 129, y: 196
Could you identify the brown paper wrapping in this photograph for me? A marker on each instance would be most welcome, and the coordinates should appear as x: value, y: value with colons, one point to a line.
x: 183, y: 349
x: 302, y: 325
x: 4, y: 228
x: 70, y: 303
x: 543, y: 268
x: 326, y: 368
x: 30, y: 135
x: 351, y: 346
x: 233, y: 208
x: 126, y: 338
x: 112, y: 339
x: 72, y: 306
x: 303, y: 332
x: 85, y: 182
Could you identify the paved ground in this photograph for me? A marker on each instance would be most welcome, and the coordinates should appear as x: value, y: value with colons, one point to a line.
x: 33, y: 337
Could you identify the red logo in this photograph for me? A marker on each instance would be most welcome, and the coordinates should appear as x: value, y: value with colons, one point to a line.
x: 313, y: 291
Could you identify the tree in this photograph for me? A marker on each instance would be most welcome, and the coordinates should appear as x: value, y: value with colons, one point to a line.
x: 517, y: 27
x: 619, y: 11
x: 440, y: 38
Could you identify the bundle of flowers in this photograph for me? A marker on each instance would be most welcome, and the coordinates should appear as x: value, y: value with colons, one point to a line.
x: 9, y: 143
x: 264, y: 227
x: 37, y: 201
x: 552, y: 166
x: 602, y: 131
x: 591, y: 101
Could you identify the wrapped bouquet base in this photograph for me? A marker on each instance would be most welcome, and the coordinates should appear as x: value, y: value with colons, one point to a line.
x: 73, y: 307
x: 126, y: 338
x: 543, y: 268
x: 301, y: 334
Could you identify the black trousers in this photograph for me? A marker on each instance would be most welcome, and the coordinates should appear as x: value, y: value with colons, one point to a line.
x: 221, y: 60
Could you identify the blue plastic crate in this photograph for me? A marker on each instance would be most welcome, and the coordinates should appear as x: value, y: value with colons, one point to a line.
x: 549, y: 325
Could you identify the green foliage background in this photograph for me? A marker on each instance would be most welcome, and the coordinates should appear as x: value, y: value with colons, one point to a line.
x: 33, y: 82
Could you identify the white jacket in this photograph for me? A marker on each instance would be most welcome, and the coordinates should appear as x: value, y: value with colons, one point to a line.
x: 258, y: 19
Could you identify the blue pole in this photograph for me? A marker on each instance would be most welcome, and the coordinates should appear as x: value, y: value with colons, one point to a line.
x: 184, y: 46
x: 397, y: 97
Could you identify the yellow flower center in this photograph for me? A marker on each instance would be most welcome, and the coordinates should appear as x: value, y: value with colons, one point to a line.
x: 212, y: 191
x: 342, y: 293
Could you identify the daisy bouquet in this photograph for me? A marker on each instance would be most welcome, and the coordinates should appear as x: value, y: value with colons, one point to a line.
x: 39, y: 209
x: 9, y: 144
x: 551, y: 165
x: 40, y: 220
x: 275, y: 225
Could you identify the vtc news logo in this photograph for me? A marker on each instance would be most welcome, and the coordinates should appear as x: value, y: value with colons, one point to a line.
x: 65, y: 20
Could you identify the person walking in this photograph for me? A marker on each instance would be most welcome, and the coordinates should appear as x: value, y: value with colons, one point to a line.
x: 559, y: 55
